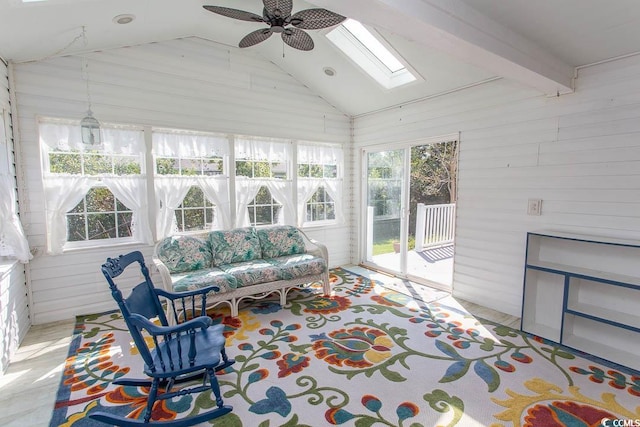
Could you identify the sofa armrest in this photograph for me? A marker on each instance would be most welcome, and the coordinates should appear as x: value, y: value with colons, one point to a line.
x: 314, y: 247
x: 318, y: 249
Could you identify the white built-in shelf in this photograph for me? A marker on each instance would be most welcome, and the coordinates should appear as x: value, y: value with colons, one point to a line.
x: 597, y: 275
x: 584, y: 292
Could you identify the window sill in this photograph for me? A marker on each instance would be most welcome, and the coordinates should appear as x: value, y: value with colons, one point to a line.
x: 322, y: 225
x: 101, y: 245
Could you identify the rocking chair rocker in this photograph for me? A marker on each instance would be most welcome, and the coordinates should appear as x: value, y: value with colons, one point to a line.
x: 185, y: 352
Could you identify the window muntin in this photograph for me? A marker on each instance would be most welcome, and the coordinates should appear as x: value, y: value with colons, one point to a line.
x: 320, y: 207
x: 263, y: 209
x: 312, y: 170
x: 205, y: 166
x: 195, y: 212
x: 93, y: 163
x: 261, y: 169
x: 98, y: 216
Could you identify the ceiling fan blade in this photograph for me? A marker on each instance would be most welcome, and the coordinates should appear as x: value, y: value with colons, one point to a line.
x: 314, y: 19
x: 234, y: 13
x: 255, y: 37
x: 284, y: 6
x: 297, y: 39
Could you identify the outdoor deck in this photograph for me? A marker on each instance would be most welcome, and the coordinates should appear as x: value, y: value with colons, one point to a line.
x: 432, y: 264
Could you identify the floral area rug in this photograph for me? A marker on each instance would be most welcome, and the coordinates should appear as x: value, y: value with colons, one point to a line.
x: 367, y: 356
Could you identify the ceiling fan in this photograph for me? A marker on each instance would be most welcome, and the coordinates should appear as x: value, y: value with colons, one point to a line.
x: 277, y: 14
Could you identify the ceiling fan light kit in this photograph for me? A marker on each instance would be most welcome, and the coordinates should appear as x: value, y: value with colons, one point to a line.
x: 277, y: 14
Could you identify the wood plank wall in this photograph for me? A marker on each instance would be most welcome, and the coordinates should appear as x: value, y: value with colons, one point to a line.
x: 579, y: 153
x: 14, y: 310
x: 185, y: 83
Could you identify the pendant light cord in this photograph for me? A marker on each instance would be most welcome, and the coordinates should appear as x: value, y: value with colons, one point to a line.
x: 85, y: 66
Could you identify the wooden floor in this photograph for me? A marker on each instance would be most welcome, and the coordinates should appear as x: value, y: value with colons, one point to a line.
x: 28, y: 388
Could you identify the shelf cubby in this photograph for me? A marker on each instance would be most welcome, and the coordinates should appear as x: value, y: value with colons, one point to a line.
x: 584, y: 292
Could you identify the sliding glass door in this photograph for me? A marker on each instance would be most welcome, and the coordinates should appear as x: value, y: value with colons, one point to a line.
x: 386, y: 209
x: 409, y: 211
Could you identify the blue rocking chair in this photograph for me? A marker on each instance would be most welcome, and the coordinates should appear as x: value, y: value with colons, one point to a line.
x: 189, y: 351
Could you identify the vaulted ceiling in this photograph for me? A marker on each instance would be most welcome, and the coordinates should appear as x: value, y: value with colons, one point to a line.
x: 451, y: 44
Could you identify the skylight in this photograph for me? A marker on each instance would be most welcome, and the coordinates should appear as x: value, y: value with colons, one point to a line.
x: 370, y: 54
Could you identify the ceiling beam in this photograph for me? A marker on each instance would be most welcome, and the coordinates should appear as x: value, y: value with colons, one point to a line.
x: 459, y: 30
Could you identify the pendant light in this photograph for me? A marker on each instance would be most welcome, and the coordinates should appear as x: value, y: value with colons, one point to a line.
x: 89, y: 126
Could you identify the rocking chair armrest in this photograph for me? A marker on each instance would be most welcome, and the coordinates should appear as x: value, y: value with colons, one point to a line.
x: 185, y: 294
x: 201, y: 322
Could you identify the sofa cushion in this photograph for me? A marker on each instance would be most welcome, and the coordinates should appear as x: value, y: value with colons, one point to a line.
x: 252, y: 272
x: 240, y: 244
x: 184, y: 253
x: 280, y: 240
x: 300, y: 265
x: 193, y: 280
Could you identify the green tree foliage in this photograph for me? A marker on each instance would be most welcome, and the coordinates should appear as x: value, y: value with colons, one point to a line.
x: 433, y: 176
x: 264, y: 208
x: 99, y: 215
x: 93, y: 163
x: 195, y: 212
x: 253, y: 169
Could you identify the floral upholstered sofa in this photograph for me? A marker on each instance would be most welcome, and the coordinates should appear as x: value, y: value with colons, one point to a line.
x: 243, y: 262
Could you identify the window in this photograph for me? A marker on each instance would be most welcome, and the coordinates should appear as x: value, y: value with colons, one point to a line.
x: 319, y: 183
x: 263, y: 209
x: 310, y: 170
x: 264, y: 189
x: 261, y: 169
x: 99, y: 215
x: 206, y: 166
x: 100, y: 196
x: 370, y: 54
x: 195, y: 212
x: 93, y: 195
x: 93, y: 163
x: 191, y: 182
x: 321, y: 206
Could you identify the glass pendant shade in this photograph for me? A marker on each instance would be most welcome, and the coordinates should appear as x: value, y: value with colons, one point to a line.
x: 90, y: 128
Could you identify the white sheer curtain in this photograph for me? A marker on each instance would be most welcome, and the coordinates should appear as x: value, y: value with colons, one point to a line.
x: 216, y: 189
x: 170, y: 191
x: 64, y: 135
x: 13, y: 242
x: 62, y: 193
x: 246, y: 190
x: 273, y: 150
x: 170, y: 143
x: 306, y: 188
x: 320, y: 154
x: 334, y: 189
x: 281, y: 191
x: 132, y: 191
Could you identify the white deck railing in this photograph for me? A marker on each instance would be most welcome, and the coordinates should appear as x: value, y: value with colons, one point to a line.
x: 435, y: 225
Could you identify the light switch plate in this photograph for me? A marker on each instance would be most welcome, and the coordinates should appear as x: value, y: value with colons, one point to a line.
x: 534, y: 207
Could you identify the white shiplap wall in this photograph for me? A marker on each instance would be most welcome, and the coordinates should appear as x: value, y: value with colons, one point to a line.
x: 14, y: 312
x: 185, y: 83
x: 579, y: 153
